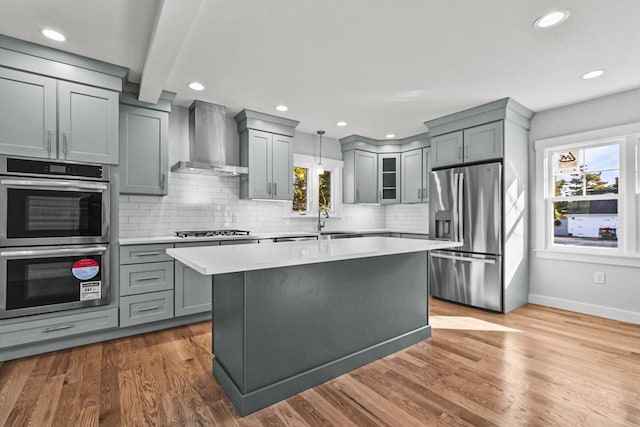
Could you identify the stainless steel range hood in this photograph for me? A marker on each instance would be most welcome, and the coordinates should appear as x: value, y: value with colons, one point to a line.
x: 209, y: 143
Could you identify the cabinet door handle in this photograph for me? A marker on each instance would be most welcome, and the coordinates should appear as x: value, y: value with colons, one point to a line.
x: 153, y: 307
x: 49, y: 141
x: 147, y: 253
x: 162, y: 180
x: 418, y: 193
x: 64, y: 143
x: 275, y: 188
x: 142, y: 279
x: 57, y: 328
x: 460, y: 153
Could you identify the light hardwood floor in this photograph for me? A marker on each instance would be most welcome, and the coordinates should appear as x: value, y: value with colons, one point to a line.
x: 554, y: 368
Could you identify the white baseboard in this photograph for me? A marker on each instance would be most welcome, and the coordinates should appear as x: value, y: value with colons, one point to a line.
x: 592, y: 309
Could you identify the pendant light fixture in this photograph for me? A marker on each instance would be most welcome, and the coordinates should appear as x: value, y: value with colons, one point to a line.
x: 320, y: 168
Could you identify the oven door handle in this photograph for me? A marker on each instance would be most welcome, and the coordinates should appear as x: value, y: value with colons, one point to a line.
x: 46, y: 252
x: 67, y: 185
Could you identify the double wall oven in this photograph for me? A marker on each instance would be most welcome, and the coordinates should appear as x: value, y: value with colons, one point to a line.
x: 54, y: 236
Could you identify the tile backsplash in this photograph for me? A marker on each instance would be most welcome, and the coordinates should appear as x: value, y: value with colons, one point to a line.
x: 197, y: 202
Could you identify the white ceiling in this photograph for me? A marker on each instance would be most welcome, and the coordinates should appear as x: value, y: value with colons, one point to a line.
x: 384, y: 66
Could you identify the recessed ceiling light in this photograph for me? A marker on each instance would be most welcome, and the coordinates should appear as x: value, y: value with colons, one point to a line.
x: 341, y: 124
x: 592, y: 74
x: 390, y: 135
x: 196, y: 86
x: 552, y: 18
x: 53, y: 35
x: 282, y: 108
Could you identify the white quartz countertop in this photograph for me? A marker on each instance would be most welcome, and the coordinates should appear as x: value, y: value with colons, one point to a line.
x: 253, y: 236
x: 234, y: 258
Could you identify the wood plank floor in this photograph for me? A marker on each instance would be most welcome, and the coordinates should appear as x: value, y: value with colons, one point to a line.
x: 550, y: 368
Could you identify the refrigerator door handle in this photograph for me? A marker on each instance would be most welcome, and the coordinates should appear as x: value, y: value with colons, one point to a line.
x: 467, y: 259
x: 454, y: 211
x: 460, y: 204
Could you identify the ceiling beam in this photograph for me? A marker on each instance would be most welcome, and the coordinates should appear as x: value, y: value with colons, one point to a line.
x: 171, y: 28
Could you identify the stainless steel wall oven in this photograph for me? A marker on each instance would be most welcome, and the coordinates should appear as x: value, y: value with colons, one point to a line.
x: 54, y: 236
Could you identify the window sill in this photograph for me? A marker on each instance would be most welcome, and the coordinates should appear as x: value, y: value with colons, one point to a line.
x: 608, y: 259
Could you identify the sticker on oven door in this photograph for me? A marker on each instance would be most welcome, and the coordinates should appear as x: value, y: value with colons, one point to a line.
x: 90, y: 290
x: 85, y: 269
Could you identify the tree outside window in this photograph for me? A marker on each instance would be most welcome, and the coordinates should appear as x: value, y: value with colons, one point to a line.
x: 300, y: 189
x: 324, y: 198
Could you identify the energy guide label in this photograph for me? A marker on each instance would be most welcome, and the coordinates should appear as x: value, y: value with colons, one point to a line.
x: 90, y: 290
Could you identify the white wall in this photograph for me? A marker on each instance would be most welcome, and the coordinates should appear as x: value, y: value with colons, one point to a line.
x: 569, y: 284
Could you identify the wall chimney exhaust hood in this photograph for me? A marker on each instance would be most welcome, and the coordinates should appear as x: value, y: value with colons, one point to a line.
x: 210, y: 148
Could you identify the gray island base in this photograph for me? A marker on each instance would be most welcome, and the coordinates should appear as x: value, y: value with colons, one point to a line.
x: 279, y: 331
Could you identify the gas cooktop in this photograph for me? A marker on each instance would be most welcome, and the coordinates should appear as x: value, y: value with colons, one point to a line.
x: 211, y: 233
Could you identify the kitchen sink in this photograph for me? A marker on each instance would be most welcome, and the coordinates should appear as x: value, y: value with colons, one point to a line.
x: 337, y: 235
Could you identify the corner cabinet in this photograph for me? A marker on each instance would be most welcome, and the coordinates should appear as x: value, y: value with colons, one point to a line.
x: 415, y: 167
x: 55, y: 119
x: 385, y: 172
x: 478, y: 143
x: 266, y: 148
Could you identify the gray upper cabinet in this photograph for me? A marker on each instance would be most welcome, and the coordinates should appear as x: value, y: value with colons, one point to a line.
x: 366, y: 177
x: 483, y: 142
x: 144, y: 147
x: 270, y: 166
x: 415, y: 167
x: 470, y: 145
x: 389, y: 178
x: 27, y: 114
x: 48, y: 118
x: 87, y: 123
x: 447, y: 149
x: 266, y: 148
x: 385, y: 171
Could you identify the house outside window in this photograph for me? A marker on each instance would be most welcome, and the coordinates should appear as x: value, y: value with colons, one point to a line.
x: 585, y: 195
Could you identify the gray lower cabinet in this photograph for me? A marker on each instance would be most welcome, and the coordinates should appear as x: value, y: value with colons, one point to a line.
x: 145, y: 308
x: 48, y: 118
x: 144, y: 151
x: 192, y: 291
x: 146, y: 284
x: 146, y: 277
x: 34, y: 331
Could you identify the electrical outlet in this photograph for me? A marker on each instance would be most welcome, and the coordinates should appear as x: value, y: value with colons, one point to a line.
x: 599, y: 277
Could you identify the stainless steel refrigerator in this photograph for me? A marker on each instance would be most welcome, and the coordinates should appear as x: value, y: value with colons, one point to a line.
x: 465, y: 204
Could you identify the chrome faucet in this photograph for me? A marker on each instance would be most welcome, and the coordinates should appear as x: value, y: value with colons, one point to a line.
x: 321, y: 223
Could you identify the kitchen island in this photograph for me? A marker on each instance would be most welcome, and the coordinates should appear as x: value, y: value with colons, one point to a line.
x: 289, y: 316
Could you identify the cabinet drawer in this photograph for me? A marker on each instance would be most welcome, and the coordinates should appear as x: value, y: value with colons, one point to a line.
x: 145, y: 308
x: 57, y: 327
x: 136, y: 254
x: 147, y: 277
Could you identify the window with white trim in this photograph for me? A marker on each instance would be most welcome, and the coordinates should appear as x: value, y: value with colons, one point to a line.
x: 584, y: 195
x: 587, y: 193
x: 313, y: 190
